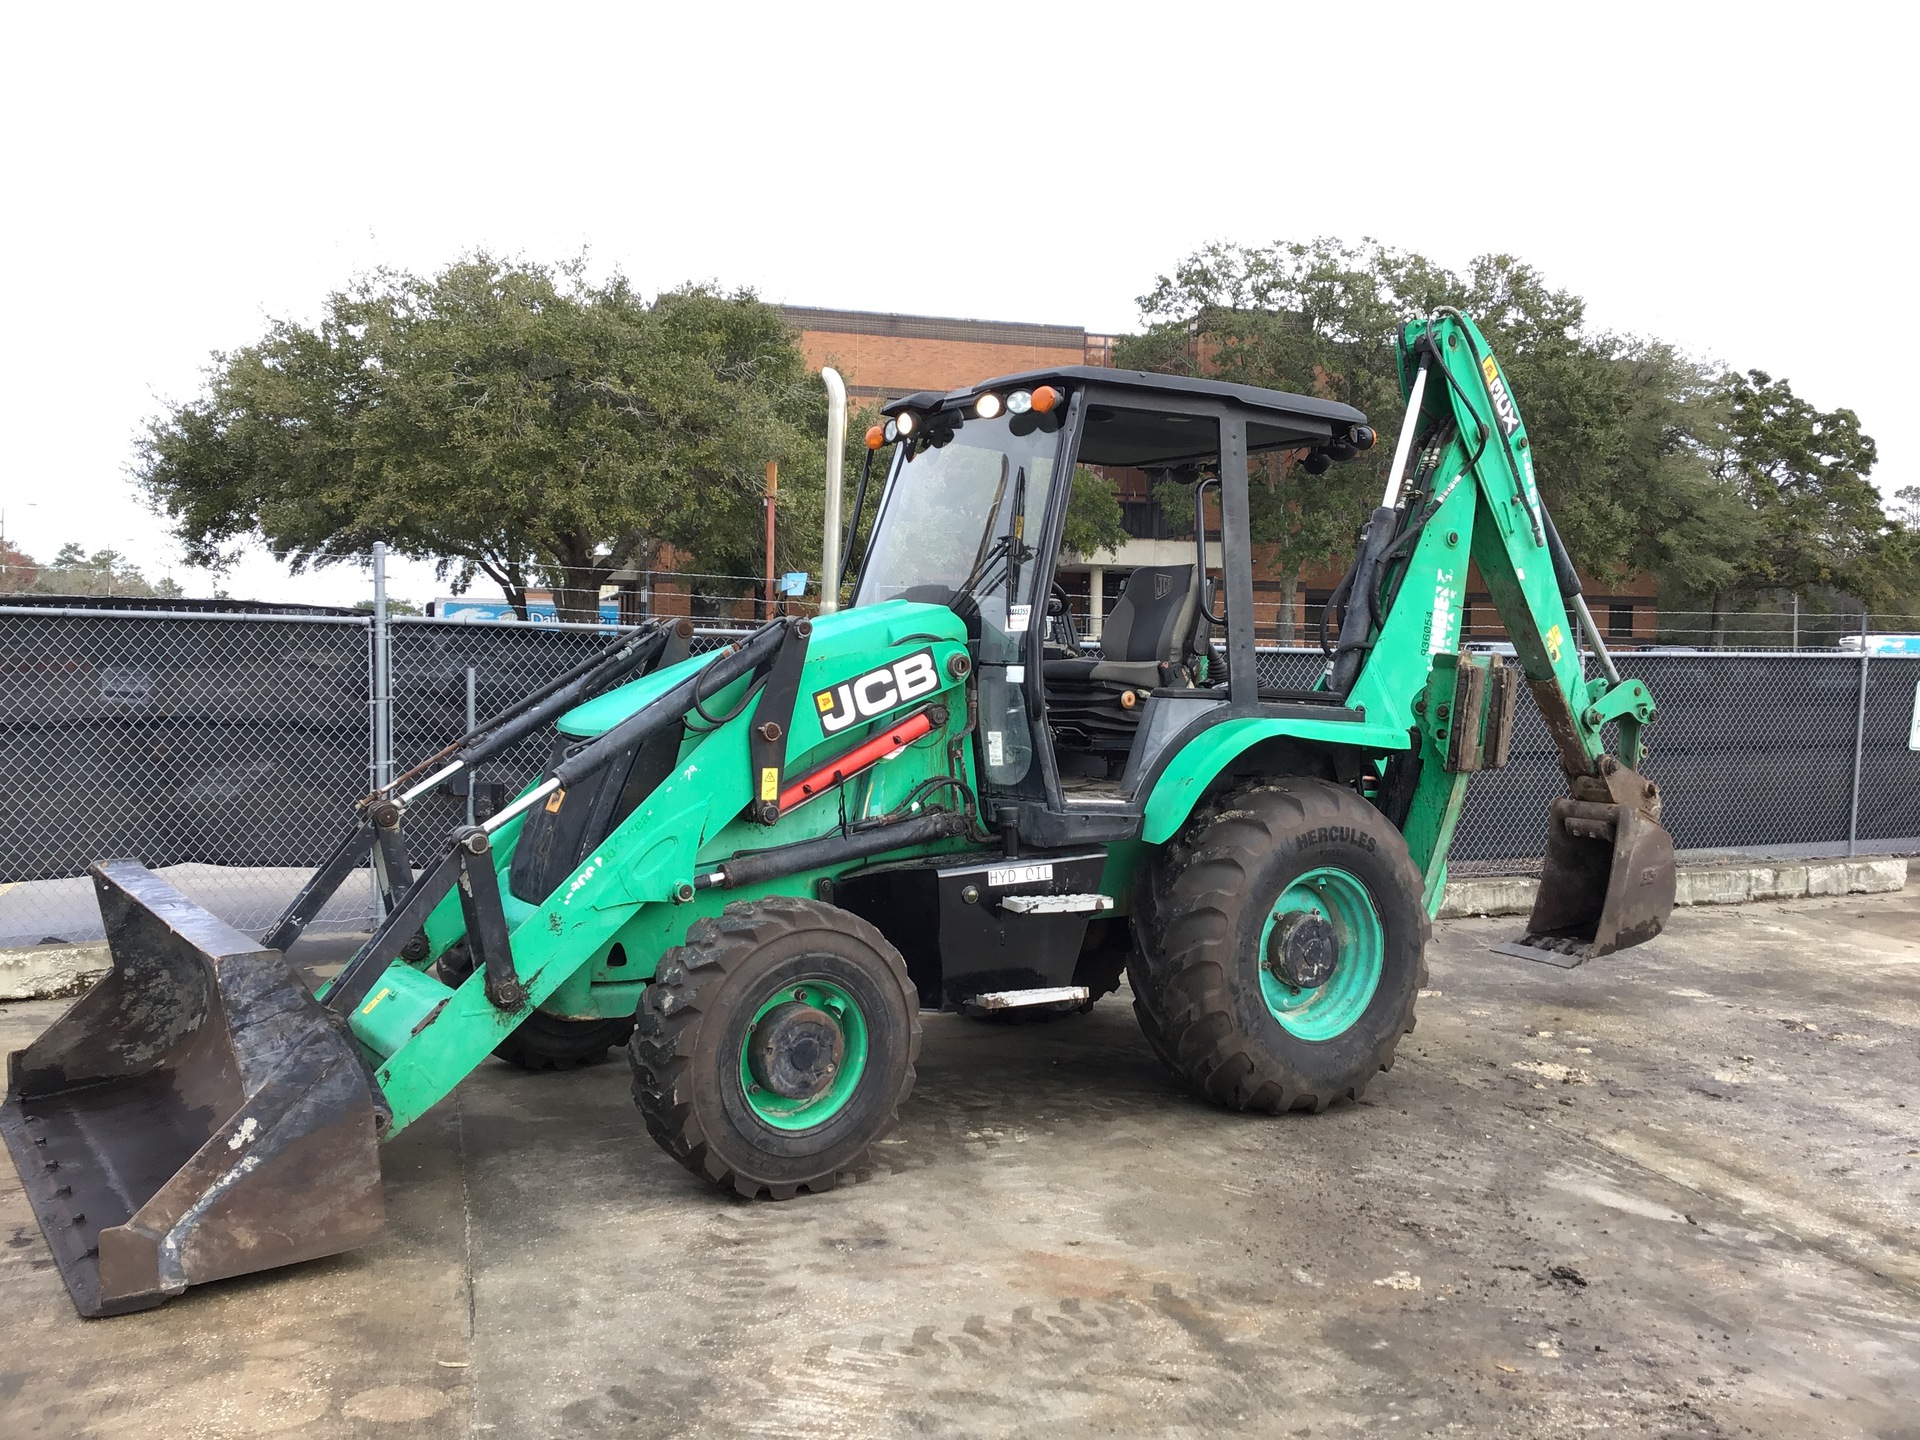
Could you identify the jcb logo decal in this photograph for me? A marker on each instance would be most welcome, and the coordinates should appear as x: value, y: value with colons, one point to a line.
x: 1502, y: 398
x: 877, y: 691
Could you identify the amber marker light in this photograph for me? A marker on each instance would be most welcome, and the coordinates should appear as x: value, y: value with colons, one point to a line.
x: 1045, y: 399
x: 876, y: 436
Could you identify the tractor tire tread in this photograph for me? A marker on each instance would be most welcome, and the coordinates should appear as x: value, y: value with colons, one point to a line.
x: 1192, y: 892
x: 673, y: 1001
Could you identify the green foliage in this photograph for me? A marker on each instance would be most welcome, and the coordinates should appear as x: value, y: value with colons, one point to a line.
x: 1093, y: 525
x: 18, y: 570
x: 1312, y: 319
x: 1725, y: 486
x: 1817, y: 520
x: 1612, y: 419
x: 1906, y: 510
x: 506, y: 418
x: 75, y: 572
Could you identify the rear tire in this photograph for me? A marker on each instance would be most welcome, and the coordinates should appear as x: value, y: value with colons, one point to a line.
x: 543, y: 1041
x: 1213, y: 985
x: 548, y: 1042
x: 775, y: 1046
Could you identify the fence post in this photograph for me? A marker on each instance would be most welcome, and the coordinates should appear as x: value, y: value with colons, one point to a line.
x: 382, y: 674
x: 1859, y: 743
x: 473, y: 724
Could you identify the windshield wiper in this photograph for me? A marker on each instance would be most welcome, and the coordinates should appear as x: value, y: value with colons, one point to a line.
x: 993, y: 552
x: 1016, y: 530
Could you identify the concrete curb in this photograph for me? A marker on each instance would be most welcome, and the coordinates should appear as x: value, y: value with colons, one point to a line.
x: 48, y: 972
x: 1699, y: 885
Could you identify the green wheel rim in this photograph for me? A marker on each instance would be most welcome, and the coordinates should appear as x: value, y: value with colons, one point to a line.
x: 783, y: 1113
x: 1329, y: 1010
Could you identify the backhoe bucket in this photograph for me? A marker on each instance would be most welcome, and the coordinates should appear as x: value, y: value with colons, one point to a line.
x: 1607, y: 882
x: 195, y: 1115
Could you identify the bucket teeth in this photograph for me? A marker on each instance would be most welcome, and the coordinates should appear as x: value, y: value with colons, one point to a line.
x: 195, y: 1115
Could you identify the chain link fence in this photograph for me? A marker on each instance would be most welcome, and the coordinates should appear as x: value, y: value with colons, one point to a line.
x: 222, y: 749
x: 228, y: 750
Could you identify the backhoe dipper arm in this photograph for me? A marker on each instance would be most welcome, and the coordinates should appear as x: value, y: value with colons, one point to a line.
x: 1464, y: 468
x: 1516, y: 547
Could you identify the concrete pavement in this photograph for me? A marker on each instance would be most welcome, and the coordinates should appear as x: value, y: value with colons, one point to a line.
x: 1671, y: 1192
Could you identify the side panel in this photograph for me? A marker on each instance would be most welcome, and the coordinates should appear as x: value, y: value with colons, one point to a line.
x: 629, y: 889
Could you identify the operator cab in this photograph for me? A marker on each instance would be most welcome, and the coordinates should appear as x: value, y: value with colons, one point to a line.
x: 1070, y: 732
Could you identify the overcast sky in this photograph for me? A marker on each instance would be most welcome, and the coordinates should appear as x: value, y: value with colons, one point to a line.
x: 1737, y: 179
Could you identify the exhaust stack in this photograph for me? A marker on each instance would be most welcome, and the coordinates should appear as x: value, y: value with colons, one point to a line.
x: 836, y: 448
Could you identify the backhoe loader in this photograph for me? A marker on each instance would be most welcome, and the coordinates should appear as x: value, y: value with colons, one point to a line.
x: 757, y: 868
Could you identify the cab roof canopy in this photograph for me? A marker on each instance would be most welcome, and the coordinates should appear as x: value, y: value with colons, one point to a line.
x: 1125, y: 427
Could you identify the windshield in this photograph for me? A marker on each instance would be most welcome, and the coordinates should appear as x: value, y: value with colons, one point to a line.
x: 963, y: 516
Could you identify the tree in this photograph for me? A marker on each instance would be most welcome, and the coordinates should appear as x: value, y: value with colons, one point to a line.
x: 1618, y: 424
x: 1093, y: 525
x: 75, y: 572
x: 1906, y: 508
x: 1817, y: 521
x: 505, y: 418
x: 18, y: 570
x: 1312, y: 319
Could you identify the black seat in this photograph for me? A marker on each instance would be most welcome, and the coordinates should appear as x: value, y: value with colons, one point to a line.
x: 1147, y: 642
x: 1151, y: 625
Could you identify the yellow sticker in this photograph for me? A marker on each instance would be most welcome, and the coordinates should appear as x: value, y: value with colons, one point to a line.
x: 1489, y: 369
x: 769, y: 783
x: 383, y: 993
x: 553, y: 803
x: 824, y: 701
x: 1554, y: 641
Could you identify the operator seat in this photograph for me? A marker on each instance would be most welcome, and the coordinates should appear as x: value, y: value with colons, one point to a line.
x: 1146, y: 643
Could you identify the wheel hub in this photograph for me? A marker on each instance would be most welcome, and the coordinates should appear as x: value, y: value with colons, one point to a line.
x: 1303, y: 950
x: 795, y: 1051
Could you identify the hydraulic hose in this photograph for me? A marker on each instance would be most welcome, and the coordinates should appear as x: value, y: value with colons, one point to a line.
x: 833, y: 849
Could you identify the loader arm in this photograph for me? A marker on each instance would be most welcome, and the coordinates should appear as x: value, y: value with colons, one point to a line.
x: 1462, y: 488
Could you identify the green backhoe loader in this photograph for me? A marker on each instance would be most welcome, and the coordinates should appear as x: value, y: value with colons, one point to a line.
x: 756, y: 868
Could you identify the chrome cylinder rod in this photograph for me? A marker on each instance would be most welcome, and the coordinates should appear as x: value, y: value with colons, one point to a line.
x: 1403, y: 447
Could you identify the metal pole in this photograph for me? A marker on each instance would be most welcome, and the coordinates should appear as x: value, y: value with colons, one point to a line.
x: 382, y: 674
x: 1796, y: 620
x: 1859, y: 743
x: 773, y: 496
x: 473, y: 724
x: 836, y: 453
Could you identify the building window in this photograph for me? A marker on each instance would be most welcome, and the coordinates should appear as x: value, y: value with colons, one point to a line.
x: 1620, y: 620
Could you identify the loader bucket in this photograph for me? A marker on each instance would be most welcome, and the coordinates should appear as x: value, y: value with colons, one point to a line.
x: 1607, y: 883
x: 195, y: 1115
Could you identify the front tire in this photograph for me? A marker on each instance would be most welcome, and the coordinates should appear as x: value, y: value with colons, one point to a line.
x: 775, y: 1046
x: 1284, y: 947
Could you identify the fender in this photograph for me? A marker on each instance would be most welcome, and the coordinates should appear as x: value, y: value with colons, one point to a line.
x: 1195, y: 764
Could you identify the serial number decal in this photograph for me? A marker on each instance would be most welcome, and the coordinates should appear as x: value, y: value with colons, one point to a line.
x: 1017, y: 875
x: 877, y: 691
